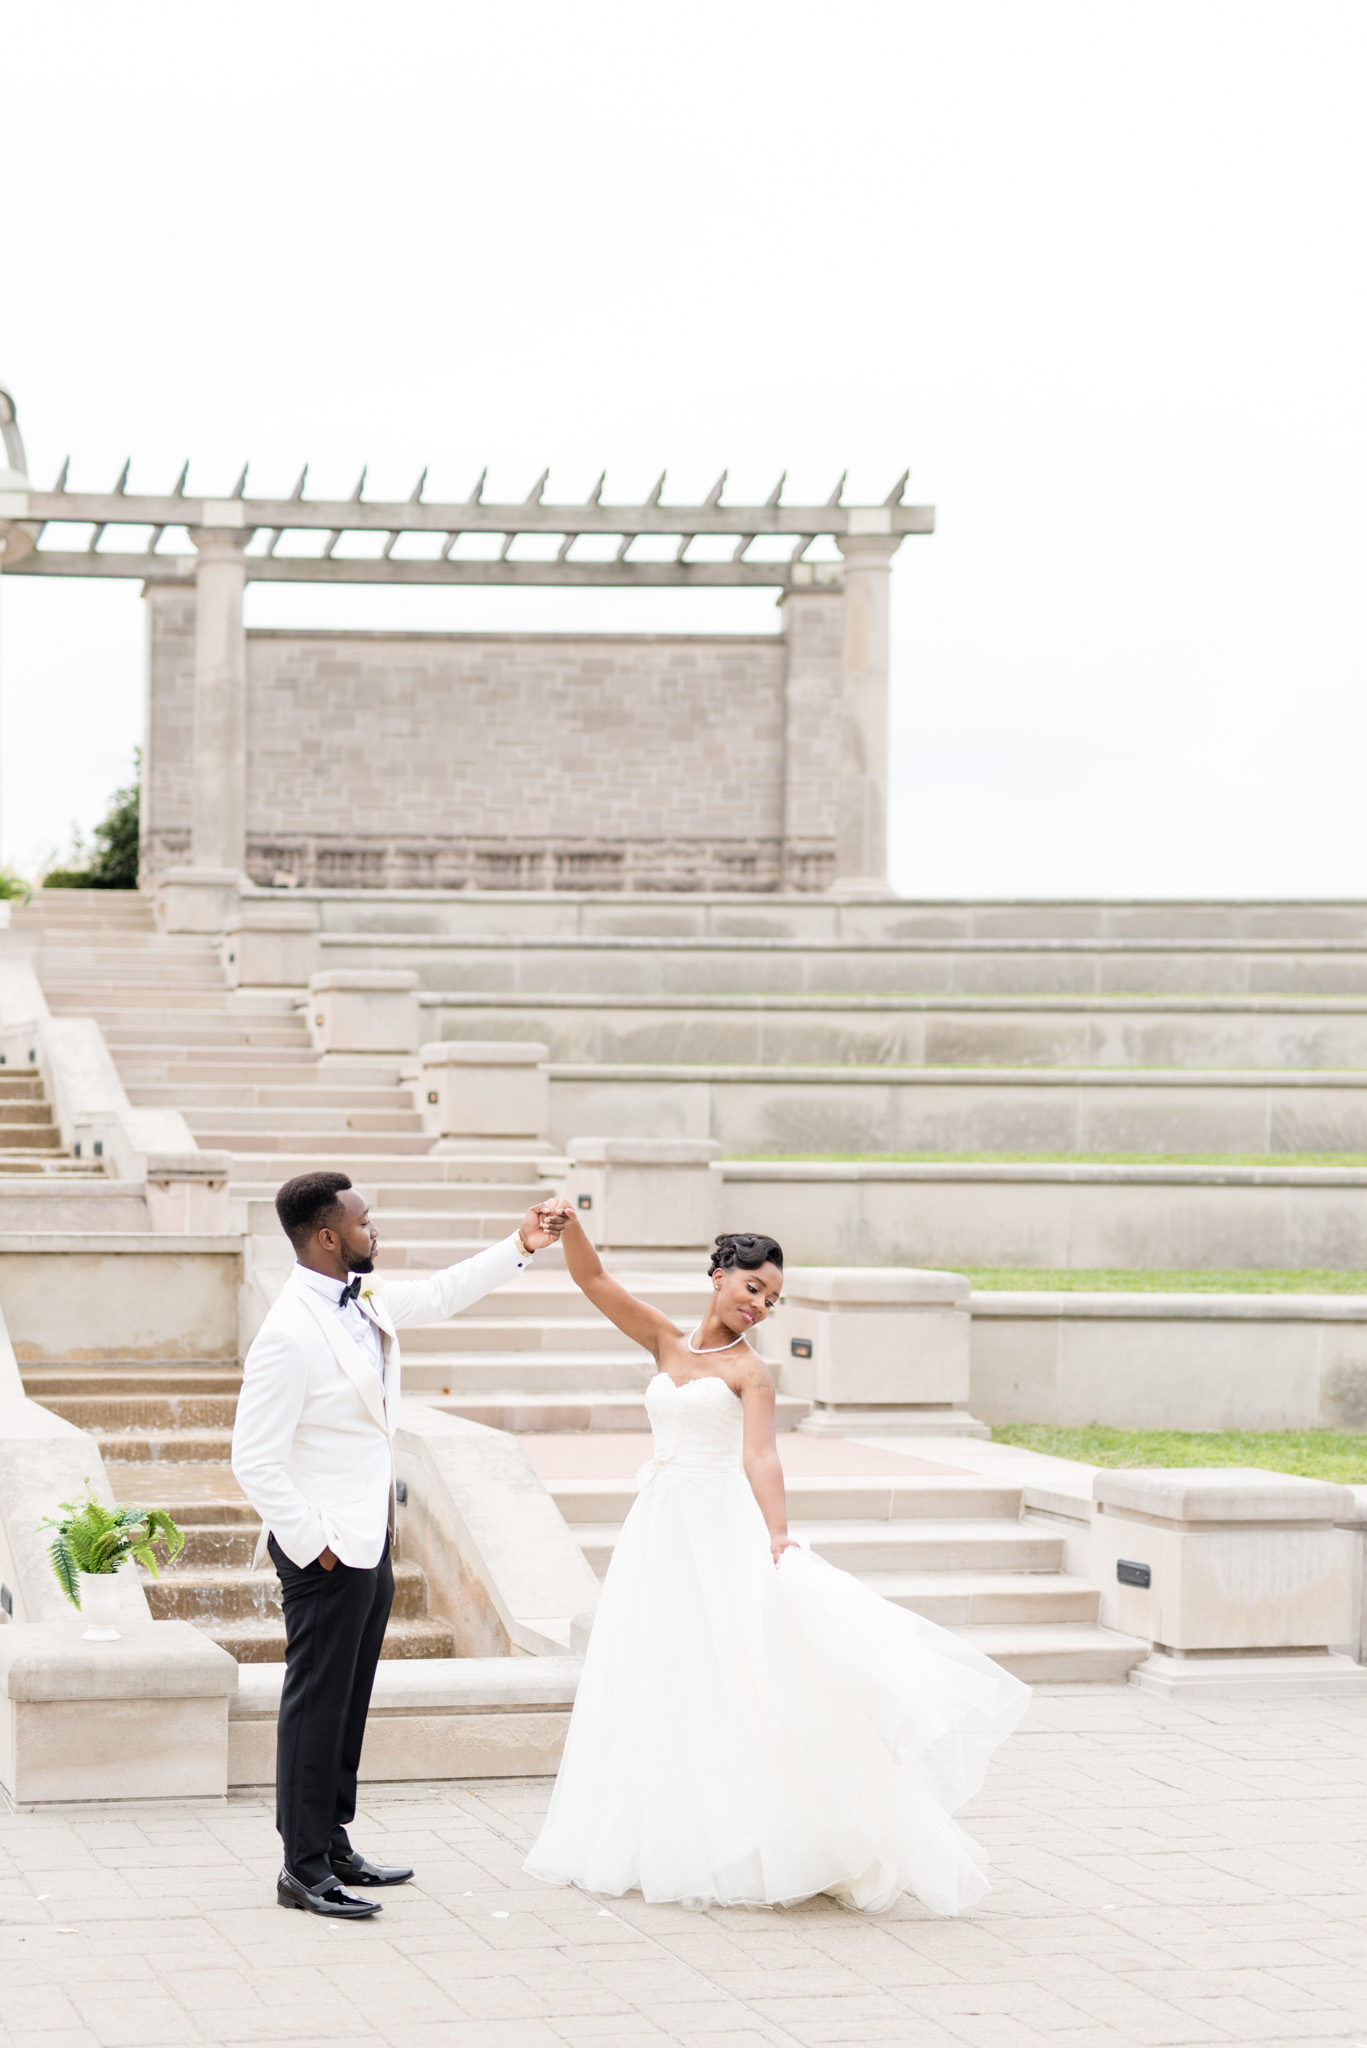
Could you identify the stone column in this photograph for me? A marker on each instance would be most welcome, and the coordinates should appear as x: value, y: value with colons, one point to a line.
x: 219, y: 776
x: 813, y: 634
x: 861, y: 857
x: 201, y: 896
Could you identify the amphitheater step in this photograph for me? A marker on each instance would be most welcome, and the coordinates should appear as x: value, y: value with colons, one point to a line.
x: 261, y: 1172
x: 1059, y: 1650
x: 232, y: 1593
x: 585, y: 1409
x: 154, y: 1446
x: 263, y: 1642
x: 837, y: 1500
x: 663, y: 964
x: 114, y: 1417
x: 513, y: 1335
x: 342, y: 1149
x: 1182, y: 1031
x: 114, y: 1380
x: 956, y: 1599
x: 497, y: 1374
x: 310, y: 1095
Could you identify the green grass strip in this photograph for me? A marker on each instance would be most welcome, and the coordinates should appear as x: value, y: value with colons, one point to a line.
x: 1314, y: 1453
x: 1164, y: 1280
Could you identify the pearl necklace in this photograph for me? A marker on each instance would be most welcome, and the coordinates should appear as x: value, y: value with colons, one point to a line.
x: 702, y: 1350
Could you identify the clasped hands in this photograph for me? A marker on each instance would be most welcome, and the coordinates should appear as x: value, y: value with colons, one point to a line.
x: 543, y: 1224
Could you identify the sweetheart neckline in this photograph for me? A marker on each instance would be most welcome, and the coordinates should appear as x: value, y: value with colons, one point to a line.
x: 699, y: 1380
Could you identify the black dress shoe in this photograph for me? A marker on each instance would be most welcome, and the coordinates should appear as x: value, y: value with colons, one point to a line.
x: 357, y: 1870
x: 329, y: 1899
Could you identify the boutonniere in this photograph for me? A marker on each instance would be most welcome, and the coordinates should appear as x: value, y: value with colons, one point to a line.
x: 367, y: 1294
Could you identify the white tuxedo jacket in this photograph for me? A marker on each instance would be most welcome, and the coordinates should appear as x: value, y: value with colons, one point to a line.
x: 312, y: 1443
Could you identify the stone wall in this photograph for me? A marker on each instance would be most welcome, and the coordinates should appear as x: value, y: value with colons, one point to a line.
x: 512, y: 760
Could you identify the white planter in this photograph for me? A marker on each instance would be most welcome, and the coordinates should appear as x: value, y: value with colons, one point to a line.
x: 99, y: 1593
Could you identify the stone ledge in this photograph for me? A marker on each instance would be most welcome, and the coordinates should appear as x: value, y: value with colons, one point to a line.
x: 470, y: 1052
x: 855, y: 1076
x: 783, y: 1001
x: 1325, y: 1675
x: 1075, y: 1305
x: 364, y: 980
x: 642, y: 1151
x: 161, y: 1660
x: 99, y: 1241
x: 874, y: 1286
x: 454, y: 1685
x: 1222, y: 1494
x: 763, y: 943
x: 1042, y: 1171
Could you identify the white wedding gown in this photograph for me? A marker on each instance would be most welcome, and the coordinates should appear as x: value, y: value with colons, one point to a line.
x: 750, y: 1735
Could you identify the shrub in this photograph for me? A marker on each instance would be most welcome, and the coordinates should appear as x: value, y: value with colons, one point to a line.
x: 114, y: 864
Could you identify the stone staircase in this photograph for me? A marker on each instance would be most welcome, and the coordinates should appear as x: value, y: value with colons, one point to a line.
x: 164, y: 1435
x: 951, y: 1547
x: 534, y: 1359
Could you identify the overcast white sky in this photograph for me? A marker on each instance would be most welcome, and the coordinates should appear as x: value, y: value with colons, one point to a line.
x: 1094, y: 270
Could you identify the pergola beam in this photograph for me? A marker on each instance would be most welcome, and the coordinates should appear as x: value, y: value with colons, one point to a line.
x: 388, y: 569
x: 354, y: 515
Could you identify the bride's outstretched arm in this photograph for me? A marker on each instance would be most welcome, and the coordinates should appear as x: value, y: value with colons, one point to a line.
x: 761, y: 1460
x: 645, y: 1325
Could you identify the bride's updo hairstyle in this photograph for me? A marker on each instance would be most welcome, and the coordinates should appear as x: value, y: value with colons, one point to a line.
x: 744, y: 1248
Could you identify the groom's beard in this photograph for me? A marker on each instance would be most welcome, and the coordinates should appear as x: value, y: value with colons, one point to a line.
x: 366, y: 1265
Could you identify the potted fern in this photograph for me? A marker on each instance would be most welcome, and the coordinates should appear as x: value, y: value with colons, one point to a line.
x: 92, y: 1541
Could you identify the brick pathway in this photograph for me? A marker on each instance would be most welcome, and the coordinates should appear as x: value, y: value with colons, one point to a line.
x: 1164, y: 1875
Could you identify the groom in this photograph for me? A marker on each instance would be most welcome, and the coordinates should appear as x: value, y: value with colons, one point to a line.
x: 312, y: 1451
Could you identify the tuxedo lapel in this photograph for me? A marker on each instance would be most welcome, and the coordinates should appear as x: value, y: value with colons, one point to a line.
x: 358, y: 1369
x: 371, y: 1305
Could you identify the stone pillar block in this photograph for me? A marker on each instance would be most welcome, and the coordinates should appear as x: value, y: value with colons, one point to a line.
x: 355, y: 1009
x: 1237, y: 1577
x: 145, y: 1717
x: 497, y: 1090
x: 861, y: 823
x: 883, y: 1348
x: 218, y: 766
x: 646, y: 1194
x: 197, y: 899
x: 271, y: 948
x: 188, y: 1195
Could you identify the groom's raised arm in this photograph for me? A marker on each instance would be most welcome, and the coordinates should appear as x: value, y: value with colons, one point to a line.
x: 445, y: 1294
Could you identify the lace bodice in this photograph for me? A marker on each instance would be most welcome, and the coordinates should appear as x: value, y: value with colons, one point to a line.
x: 699, y: 1424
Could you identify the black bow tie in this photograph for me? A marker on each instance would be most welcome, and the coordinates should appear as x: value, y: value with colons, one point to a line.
x: 350, y: 1291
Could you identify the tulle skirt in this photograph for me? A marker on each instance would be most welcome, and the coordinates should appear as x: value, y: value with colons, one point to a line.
x: 746, y: 1734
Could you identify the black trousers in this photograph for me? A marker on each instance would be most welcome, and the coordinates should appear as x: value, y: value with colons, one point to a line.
x: 334, y: 1626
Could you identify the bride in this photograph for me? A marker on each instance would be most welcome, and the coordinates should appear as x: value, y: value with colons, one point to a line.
x: 754, y: 1726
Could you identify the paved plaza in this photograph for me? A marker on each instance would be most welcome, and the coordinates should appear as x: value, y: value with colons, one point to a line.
x: 1164, y: 1875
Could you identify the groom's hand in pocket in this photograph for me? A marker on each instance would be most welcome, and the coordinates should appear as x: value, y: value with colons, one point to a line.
x: 327, y: 1557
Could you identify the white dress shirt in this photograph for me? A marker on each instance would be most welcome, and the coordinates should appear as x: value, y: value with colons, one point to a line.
x: 357, y: 1325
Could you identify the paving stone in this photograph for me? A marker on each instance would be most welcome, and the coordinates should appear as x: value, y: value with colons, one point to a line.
x: 1163, y: 1875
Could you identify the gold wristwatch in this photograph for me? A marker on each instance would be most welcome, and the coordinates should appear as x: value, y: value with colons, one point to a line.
x: 525, y: 1250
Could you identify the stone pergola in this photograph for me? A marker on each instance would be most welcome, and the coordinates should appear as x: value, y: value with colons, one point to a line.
x: 236, y: 539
